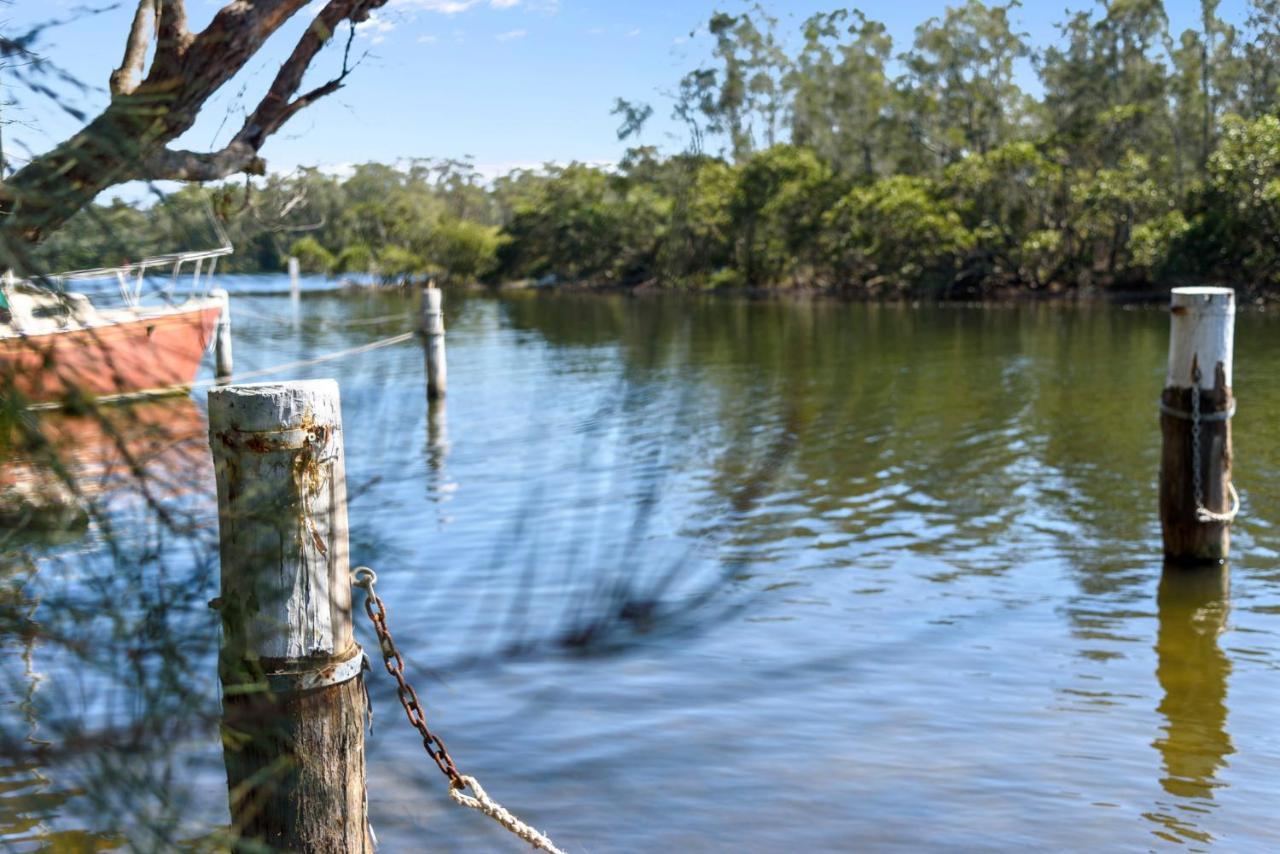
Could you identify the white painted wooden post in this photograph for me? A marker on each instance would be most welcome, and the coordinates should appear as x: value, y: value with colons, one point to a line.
x: 293, y: 698
x: 1196, y: 500
x: 222, y: 361
x: 433, y: 340
x: 295, y: 284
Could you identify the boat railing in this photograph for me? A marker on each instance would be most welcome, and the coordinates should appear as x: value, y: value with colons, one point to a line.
x: 130, y: 276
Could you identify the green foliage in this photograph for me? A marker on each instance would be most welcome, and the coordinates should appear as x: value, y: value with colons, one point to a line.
x: 1014, y: 201
x: 397, y: 264
x: 357, y: 258
x: 1244, y: 174
x: 1151, y: 155
x: 467, y: 250
x: 896, y: 233
x: 312, y: 257
x: 776, y: 210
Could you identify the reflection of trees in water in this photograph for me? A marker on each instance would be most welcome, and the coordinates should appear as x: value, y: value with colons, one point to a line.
x: 993, y: 426
x: 1192, y: 671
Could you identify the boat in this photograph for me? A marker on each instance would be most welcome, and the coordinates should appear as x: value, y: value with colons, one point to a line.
x: 56, y: 345
x: 60, y: 464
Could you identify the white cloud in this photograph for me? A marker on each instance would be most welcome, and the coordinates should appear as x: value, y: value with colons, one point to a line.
x: 374, y: 28
x: 428, y: 39
x: 511, y: 35
x: 444, y: 7
x: 449, y: 7
x: 633, y: 33
x: 489, y: 171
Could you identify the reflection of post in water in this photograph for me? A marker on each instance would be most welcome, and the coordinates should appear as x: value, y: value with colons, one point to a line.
x: 1192, y: 670
x: 437, y: 433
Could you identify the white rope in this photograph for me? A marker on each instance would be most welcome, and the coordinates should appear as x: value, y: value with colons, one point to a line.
x: 287, y: 366
x: 1205, y: 515
x: 326, y: 322
x: 498, y: 813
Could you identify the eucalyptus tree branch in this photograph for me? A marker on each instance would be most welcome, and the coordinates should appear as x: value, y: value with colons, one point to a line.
x: 125, y: 78
x: 129, y: 139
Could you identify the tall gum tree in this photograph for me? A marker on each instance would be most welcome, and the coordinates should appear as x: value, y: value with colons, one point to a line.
x: 152, y: 105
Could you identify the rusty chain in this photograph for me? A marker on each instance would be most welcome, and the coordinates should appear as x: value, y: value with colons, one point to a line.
x: 365, y: 578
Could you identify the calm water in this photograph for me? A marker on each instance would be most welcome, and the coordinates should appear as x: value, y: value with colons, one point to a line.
x: 702, y: 575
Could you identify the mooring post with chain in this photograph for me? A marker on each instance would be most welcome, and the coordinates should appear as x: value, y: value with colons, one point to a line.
x: 1197, y: 499
x: 433, y: 341
x: 294, y: 702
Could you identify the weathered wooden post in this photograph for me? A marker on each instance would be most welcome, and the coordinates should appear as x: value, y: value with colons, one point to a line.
x: 295, y: 284
x: 222, y: 362
x: 294, y: 706
x: 1197, y: 500
x: 433, y: 341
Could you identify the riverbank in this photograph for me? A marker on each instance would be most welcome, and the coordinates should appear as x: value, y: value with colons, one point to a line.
x: 1248, y: 297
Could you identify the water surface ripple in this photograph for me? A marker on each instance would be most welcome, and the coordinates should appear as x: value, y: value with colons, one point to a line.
x: 704, y: 575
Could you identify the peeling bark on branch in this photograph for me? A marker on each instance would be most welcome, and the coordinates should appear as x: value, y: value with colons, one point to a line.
x: 170, y: 165
x: 172, y: 35
x: 129, y: 139
x: 125, y: 78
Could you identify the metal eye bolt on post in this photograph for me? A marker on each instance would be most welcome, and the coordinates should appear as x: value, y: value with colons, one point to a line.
x: 1197, y: 499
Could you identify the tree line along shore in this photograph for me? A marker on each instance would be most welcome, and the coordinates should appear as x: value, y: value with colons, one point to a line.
x: 827, y: 158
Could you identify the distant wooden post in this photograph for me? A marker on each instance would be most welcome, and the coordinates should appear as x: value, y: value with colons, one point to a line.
x: 433, y: 340
x: 1196, y: 497
x: 222, y: 362
x: 293, y: 697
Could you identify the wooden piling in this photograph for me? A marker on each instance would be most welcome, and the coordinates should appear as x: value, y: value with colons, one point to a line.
x: 433, y: 341
x: 294, y: 705
x: 1196, y: 497
x: 295, y: 282
x: 222, y: 361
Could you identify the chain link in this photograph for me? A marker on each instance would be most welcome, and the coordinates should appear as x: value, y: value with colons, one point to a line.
x: 1196, y: 476
x: 1203, y: 514
x: 365, y: 578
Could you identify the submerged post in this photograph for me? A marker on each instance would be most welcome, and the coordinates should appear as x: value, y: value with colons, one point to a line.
x: 433, y: 341
x: 222, y: 363
x: 293, y: 696
x: 1197, y: 500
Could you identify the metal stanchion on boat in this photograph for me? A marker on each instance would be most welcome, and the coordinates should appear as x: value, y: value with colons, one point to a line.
x: 294, y: 701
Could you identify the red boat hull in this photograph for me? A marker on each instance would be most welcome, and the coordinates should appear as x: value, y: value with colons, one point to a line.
x: 152, y: 353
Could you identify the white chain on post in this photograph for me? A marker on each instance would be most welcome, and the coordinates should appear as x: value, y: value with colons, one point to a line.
x: 1204, y: 514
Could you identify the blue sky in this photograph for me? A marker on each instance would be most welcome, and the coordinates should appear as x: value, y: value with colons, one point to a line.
x: 506, y: 82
